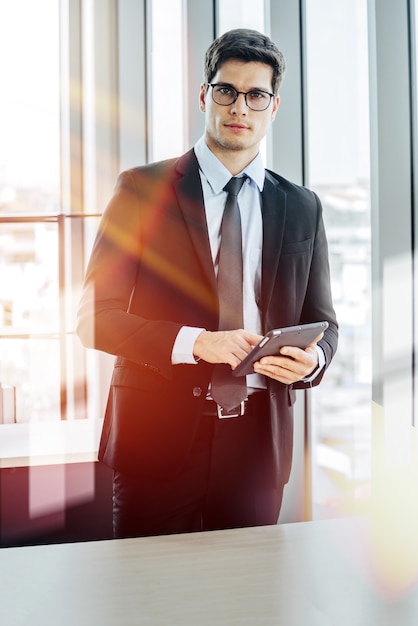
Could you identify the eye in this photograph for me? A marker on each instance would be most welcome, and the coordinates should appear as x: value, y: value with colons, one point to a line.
x: 224, y: 90
x: 258, y: 95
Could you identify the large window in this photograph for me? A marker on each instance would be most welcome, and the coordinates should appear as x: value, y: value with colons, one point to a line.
x: 338, y: 169
x: 89, y: 88
x: 29, y: 197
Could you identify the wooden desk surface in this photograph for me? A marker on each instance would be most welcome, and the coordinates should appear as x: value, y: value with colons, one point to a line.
x: 309, y: 574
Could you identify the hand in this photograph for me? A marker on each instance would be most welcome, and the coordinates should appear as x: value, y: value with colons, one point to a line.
x: 291, y: 365
x: 225, y: 346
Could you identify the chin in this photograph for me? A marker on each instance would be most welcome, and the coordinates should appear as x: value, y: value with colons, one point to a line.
x: 234, y: 144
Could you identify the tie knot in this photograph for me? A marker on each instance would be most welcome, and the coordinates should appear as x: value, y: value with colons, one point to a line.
x: 234, y: 185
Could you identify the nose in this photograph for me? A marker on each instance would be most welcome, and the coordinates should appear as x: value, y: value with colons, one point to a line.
x: 239, y: 107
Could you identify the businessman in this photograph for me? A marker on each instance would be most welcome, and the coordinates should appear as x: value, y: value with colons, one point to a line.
x: 181, y: 299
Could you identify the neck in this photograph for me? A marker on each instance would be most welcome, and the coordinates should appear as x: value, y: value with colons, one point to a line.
x: 234, y: 160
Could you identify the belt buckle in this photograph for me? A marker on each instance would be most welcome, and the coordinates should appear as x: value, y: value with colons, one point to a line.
x: 236, y: 411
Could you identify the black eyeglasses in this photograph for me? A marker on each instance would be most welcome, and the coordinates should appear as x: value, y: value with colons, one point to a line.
x: 225, y: 95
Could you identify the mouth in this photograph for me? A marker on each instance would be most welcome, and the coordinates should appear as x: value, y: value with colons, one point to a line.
x: 234, y: 126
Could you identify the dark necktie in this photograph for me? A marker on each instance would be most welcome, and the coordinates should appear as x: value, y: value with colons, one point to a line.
x: 227, y: 390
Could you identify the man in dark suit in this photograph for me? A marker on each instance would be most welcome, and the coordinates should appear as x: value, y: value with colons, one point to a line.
x: 181, y: 461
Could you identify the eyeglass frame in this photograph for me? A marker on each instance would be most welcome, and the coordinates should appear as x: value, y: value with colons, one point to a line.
x: 244, y: 93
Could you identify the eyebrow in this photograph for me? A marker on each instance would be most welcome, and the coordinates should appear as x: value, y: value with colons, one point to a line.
x: 225, y: 84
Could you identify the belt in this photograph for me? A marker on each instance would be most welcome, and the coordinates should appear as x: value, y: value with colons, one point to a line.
x: 214, y: 409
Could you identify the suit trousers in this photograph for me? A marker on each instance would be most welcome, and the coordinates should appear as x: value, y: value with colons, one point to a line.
x: 227, y: 481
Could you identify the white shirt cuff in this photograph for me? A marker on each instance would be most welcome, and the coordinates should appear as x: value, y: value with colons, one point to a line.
x: 319, y: 368
x: 183, y: 346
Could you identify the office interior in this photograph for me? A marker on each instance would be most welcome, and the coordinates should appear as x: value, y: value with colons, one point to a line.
x: 92, y: 87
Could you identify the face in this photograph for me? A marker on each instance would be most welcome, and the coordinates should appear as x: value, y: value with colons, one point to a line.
x: 237, y: 128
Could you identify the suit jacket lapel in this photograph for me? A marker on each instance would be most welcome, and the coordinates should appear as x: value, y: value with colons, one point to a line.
x: 274, y: 216
x: 189, y: 193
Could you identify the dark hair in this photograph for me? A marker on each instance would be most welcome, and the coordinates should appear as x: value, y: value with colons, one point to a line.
x: 246, y: 45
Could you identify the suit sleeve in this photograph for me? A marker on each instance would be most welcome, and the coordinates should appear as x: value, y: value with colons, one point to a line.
x: 105, y: 321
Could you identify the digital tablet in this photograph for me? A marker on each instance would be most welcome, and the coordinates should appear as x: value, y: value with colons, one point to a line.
x: 299, y: 336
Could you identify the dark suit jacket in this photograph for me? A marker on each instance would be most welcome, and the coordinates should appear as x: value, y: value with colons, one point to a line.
x: 151, y: 273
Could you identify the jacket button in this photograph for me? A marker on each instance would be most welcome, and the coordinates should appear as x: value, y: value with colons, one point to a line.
x: 197, y: 392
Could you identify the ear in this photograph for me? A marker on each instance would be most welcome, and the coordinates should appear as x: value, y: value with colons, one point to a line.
x: 202, y: 97
x: 276, y: 104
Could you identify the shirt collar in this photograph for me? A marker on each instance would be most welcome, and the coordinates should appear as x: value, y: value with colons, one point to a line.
x: 218, y: 175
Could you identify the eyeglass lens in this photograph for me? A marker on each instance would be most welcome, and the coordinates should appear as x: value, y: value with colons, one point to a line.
x: 255, y: 99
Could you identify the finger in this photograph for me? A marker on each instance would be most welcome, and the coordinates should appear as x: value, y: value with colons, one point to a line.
x: 277, y: 373
x: 287, y: 367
